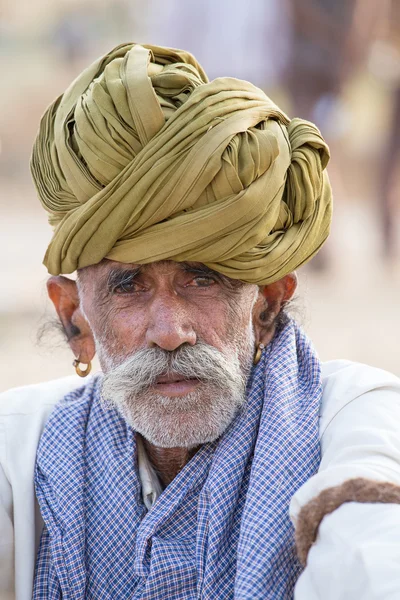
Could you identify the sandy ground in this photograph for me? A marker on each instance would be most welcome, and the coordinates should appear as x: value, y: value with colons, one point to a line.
x: 350, y: 310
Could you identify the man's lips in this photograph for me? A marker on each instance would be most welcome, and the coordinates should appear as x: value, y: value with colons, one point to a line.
x: 174, y: 385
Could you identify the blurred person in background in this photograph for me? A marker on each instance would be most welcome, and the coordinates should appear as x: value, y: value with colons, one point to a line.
x: 214, y: 441
x: 227, y: 37
x: 329, y: 40
x: 385, y: 61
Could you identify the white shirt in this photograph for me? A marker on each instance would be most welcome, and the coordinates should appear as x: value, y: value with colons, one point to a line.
x: 357, y: 552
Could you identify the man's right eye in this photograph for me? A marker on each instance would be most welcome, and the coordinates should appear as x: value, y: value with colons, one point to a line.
x: 125, y: 288
x: 123, y: 282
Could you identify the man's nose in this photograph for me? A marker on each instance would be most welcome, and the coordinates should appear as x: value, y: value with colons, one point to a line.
x: 169, y: 325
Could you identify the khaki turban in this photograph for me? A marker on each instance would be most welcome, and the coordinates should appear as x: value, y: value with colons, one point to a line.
x: 143, y: 160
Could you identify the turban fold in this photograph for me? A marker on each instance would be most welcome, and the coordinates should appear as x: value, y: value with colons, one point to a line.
x: 142, y: 159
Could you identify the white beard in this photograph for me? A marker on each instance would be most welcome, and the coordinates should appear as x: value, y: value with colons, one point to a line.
x: 198, y: 417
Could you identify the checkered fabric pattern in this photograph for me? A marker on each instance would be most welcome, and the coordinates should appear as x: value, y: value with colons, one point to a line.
x: 220, y: 530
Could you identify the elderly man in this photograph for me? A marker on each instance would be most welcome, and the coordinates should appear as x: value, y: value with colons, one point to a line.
x: 214, y: 437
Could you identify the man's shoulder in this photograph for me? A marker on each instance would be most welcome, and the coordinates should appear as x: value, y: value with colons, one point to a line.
x: 24, y: 412
x: 38, y: 397
x: 344, y: 381
x: 344, y: 376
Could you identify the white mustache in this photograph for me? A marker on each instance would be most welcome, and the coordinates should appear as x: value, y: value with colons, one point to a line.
x: 203, y: 362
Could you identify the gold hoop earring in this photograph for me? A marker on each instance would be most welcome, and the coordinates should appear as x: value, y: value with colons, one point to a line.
x: 79, y: 371
x: 258, y: 354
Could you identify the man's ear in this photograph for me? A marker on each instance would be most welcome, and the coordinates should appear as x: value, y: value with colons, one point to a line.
x: 270, y: 301
x: 63, y: 292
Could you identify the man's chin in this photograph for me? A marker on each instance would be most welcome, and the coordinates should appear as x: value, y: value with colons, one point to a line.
x: 182, y: 421
x: 185, y: 435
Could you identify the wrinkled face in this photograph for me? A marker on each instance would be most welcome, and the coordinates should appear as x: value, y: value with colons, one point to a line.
x: 175, y: 341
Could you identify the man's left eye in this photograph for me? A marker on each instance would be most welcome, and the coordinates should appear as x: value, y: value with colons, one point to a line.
x: 203, y: 281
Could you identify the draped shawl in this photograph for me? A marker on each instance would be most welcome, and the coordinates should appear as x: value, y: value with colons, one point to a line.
x: 220, y: 529
x: 142, y: 159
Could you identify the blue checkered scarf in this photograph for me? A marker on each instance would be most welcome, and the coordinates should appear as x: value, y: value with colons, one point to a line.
x: 221, y: 529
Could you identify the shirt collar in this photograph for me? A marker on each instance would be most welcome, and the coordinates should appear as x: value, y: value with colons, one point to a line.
x: 151, y: 485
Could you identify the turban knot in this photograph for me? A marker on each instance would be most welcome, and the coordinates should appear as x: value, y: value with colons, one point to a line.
x: 142, y: 159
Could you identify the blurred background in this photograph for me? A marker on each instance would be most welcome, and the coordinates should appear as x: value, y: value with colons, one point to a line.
x: 335, y: 62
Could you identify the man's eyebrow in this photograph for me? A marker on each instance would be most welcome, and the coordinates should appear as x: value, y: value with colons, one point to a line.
x: 118, y: 276
x: 200, y: 269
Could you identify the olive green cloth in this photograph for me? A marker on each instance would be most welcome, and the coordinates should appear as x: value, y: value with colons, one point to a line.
x: 142, y: 159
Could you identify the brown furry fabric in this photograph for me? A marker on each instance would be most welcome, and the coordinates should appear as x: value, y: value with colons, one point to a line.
x: 353, y: 490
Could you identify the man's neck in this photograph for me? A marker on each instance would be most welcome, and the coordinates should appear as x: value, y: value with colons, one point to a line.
x: 167, y: 462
